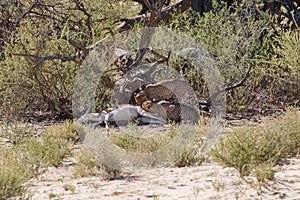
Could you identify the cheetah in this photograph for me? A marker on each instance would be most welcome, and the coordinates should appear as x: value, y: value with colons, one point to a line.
x: 140, y: 98
x: 157, y: 109
x: 172, y: 112
x: 175, y: 91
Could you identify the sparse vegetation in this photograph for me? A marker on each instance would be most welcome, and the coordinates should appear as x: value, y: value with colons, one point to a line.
x: 69, y: 187
x: 30, y: 156
x: 13, y: 174
x: 132, y: 139
x: 135, y: 139
x: 87, y: 164
x: 43, y: 44
x: 255, y: 150
x: 218, y: 185
x: 39, y: 62
x: 237, y: 41
x: 180, y: 155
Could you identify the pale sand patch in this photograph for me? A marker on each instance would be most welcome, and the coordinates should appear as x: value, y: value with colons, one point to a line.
x: 208, y: 181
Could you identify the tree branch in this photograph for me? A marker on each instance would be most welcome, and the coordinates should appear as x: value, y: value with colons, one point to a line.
x: 292, y: 10
x: 227, y: 88
x: 166, y: 15
x: 40, y: 60
x: 162, y: 59
x: 77, y: 46
x: 145, y: 7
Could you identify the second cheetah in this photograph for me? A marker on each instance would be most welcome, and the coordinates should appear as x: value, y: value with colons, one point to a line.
x: 175, y: 91
x: 173, y: 112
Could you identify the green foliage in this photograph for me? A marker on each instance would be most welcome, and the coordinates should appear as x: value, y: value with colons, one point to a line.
x: 255, y: 150
x: 38, y: 64
x: 241, y: 37
x: 65, y: 131
x: 13, y: 173
x: 29, y: 156
x: 90, y: 162
x: 178, y: 154
x: 287, y: 48
x: 87, y: 164
x: 134, y: 142
x: 49, y: 151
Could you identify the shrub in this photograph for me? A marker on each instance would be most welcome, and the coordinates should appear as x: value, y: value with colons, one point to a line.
x: 48, y: 151
x: 86, y: 164
x: 29, y: 155
x: 253, y: 150
x: 38, y: 64
x: 242, y: 37
x: 13, y: 173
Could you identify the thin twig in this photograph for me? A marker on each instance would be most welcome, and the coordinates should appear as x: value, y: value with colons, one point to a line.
x: 77, y: 45
x: 40, y: 60
x: 162, y: 59
x: 227, y: 88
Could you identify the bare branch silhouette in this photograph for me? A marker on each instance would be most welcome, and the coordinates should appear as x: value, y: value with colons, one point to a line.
x: 227, y: 88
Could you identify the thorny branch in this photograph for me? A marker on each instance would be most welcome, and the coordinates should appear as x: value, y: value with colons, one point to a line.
x: 166, y: 14
x: 77, y: 46
x: 162, y: 59
x: 226, y: 88
x: 40, y: 60
x: 293, y: 13
x: 151, y: 19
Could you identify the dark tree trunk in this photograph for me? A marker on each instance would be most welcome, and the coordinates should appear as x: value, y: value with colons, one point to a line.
x: 201, y: 5
x: 145, y: 8
x: 292, y: 12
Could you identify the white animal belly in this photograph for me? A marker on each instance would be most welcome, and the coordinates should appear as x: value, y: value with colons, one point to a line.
x: 123, y: 114
x: 90, y: 118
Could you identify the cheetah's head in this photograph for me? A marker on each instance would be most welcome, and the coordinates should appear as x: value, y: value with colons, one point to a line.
x: 146, y: 105
x: 140, y: 98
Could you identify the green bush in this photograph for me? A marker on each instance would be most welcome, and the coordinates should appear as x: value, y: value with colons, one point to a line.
x: 48, y: 151
x: 238, y: 38
x: 166, y: 145
x: 13, y: 173
x: 253, y: 150
x: 242, y: 37
x: 286, y: 56
x: 29, y: 156
x: 87, y: 164
x: 286, y: 47
x: 38, y: 64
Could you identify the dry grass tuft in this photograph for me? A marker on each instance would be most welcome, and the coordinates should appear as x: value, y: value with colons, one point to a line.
x: 256, y: 150
x: 31, y: 155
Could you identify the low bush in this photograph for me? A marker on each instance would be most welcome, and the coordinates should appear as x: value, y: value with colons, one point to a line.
x: 255, y: 150
x: 14, y: 172
x: 30, y: 156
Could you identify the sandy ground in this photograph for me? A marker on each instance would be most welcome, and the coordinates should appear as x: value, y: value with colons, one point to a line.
x: 208, y: 181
